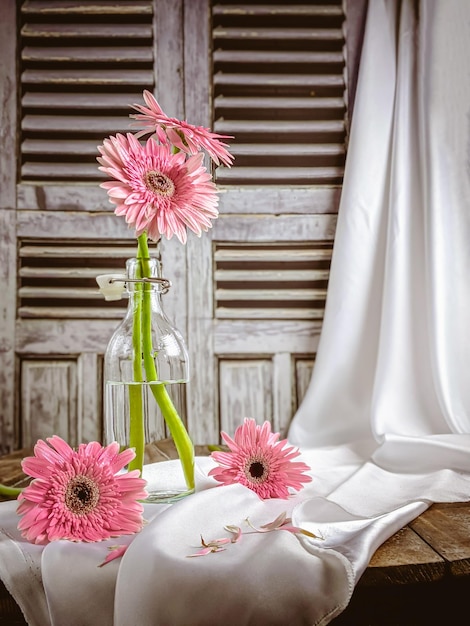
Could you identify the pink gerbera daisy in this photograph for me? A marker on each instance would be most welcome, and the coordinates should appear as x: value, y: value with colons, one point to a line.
x: 79, y: 494
x: 182, y: 135
x: 260, y: 462
x: 158, y: 192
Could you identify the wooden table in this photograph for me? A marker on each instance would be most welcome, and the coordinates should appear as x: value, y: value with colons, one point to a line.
x: 419, y: 577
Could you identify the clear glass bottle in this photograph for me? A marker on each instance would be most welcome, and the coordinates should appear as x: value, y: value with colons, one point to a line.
x: 146, y: 372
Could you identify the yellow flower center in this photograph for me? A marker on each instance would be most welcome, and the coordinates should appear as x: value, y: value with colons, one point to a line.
x: 158, y: 183
x: 82, y: 495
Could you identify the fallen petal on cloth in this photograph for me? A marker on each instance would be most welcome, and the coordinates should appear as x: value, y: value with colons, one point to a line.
x: 115, y: 552
x: 268, y: 579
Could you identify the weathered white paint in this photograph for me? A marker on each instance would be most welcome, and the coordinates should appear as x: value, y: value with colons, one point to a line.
x: 268, y: 228
x: 265, y: 336
x: 303, y: 375
x: 43, y: 336
x: 49, y: 400
x: 202, y: 400
x: 89, y: 397
x: 246, y: 391
x: 283, y: 385
x: 9, y: 435
x: 87, y: 197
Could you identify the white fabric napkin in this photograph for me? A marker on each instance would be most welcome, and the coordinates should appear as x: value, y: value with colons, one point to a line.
x: 20, y: 568
x: 271, y: 578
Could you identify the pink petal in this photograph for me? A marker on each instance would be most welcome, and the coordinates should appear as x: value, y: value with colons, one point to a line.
x: 236, y: 531
x: 203, y: 552
x: 115, y: 553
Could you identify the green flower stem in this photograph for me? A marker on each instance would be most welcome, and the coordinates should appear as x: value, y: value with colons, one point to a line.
x: 179, y: 434
x: 10, y: 492
x: 136, y: 428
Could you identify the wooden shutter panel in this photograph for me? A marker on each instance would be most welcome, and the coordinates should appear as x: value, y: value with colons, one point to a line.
x: 82, y: 63
x: 279, y: 89
x: 57, y: 279
x: 271, y: 281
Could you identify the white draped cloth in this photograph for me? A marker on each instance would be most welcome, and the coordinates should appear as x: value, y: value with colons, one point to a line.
x: 385, y: 424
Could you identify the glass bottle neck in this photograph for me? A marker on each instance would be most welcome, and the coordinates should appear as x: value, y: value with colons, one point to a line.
x: 141, y: 274
x: 137, y: 269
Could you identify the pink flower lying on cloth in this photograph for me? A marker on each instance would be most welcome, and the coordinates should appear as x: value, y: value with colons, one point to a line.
x: 158, y: 192
x: 184, y: 136
x: 260, y: 462
x: 79, y: 494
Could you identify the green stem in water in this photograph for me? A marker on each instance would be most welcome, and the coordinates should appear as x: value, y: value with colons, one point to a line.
x: 10, y: 492
x: 179, y: 434
x: 136, y: 429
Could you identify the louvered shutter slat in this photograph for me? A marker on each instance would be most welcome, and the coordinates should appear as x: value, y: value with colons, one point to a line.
x: 255, y: 57
x: 63, y: 272
x: 234, y: 102
x: 273, y: 281
x: 320, y: 83
x: 284, y: 10
x: 279, y: 90
x: 75, y: 92
x: 72, y: 250
x: 304, y: 150
x: 99, y: 7
x: 270, y: 294
x: 271, y: 254
x: 68, y: 312
x: 284, y: 127
x: 82, y: 124
x: 57, y: 147
x: 86, y: 77
x: 60, y: 171
x: 280, y: 175
x: 78, y: 55
x: 62, y: 293
x: 275, y: 34
x: 270, y: 275
x: 86, y: 31
x: 270, y: 313
x: 33, y: 100
x: 58, y: 280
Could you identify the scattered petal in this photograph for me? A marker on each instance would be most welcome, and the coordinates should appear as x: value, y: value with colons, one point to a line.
x: 205, y: 551
x: 300, y: 531
x: 282, y: 522
x: 279, y: 521
x: 115, y: 553
x: 215, y: 543
x: 236, y: 531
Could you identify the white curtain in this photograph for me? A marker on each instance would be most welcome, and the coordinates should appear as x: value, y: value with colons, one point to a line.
x: 393, y: 365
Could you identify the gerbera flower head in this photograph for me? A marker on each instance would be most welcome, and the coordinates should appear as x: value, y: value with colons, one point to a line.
x: 184, y: 136
x: 258, y: 460
x: 79, y: 494
x: 156, y: 191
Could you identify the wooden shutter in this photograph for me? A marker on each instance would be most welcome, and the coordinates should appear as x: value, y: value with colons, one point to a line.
x: 279, y: 89
x: 81, y: 65
x: 271, y: 281
x: 58, y: 278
